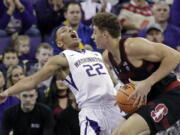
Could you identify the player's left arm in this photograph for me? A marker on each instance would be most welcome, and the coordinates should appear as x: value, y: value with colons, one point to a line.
x: 156, y: 52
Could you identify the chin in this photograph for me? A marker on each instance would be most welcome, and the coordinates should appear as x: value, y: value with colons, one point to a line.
x: 75, y: 44
x: 99, y: 47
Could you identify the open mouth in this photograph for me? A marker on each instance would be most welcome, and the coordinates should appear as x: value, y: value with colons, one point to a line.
x: 73, y: 35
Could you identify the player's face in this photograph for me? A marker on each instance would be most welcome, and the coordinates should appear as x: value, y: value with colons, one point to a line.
x: 10, y: 59
x: 17, y: 74
x: 73, y: 14
x: 2, y: 81
x: 44, y: 55
x: 98, y: 37
x: 67, y: 38
x: 28, y: 100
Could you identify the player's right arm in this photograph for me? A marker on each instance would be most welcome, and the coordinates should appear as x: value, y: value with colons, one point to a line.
x: 28, y: 83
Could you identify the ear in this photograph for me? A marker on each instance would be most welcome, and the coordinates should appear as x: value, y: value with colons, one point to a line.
x: 65, y: 15
x: 105, y: 34
x: 36, y: 55
x: 59, y: 44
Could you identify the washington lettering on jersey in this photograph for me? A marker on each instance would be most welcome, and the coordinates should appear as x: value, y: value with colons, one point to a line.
x: 88, y: 78
x: 87, y: 60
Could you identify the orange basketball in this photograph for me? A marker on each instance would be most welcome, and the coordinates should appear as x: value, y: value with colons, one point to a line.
x: 122, y: 98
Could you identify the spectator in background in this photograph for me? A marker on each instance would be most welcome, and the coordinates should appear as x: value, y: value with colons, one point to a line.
x: 91, y: 7
x: 135, y: 16
x: 73, y: 17
x: 67, y: 121
x: 57, y: 98
x: 28, y: 117
x: 49, y: 15
x: 21, y: 44
x: 161, y: 13
x: 154, y: 33
x: 9, y: 58
x: 43, y: 53
x: 6, y: 103
x: 14, y: 74
x: 171, y: 32
x: 16, y: 16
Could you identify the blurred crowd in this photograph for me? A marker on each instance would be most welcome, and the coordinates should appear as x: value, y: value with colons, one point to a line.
x: 27, y: 42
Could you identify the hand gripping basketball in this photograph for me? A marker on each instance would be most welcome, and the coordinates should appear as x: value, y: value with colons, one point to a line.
x: 122, y: 100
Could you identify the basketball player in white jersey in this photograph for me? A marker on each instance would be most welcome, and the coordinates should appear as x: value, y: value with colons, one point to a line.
x: 86, y: 75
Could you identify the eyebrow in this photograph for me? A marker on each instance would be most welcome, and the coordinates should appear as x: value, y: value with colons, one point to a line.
x: 62, y: 29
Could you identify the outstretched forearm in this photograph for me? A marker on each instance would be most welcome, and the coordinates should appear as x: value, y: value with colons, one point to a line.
x: 25, y: 84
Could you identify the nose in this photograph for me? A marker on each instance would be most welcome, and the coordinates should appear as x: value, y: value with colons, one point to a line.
x: 70, y: 30
x: 92, y: 36
x: 28, y: 99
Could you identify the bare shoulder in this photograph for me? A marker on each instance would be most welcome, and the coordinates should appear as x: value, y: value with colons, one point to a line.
x: 138, y: 44
x: 58, y: 60
x: 142, y: 48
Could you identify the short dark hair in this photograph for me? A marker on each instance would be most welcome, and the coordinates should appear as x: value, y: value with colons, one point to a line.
x: 54, y: 36
x: 71, y: 3
x: 44, y: 45
x: 109, y: 22
x: 9, y: 50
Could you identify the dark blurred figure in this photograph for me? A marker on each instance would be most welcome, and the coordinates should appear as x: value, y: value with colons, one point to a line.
x: 28, y: 117
x: 16, y: 16
x: 67, y: 121
x: 57, y: 98
x: 49, y: 15
x: 6, y: 103
x: 175, y: 13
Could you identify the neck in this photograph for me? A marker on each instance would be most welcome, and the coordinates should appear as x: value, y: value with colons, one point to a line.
x: 40, y: 65
x: 75, y: 48
x: 63, y: 94
x: 114, y: 49
x: 74, y: 27
x: 163, y: 25
x: 3, y: 100
x: 26, y: 110
x: 114, y: 46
